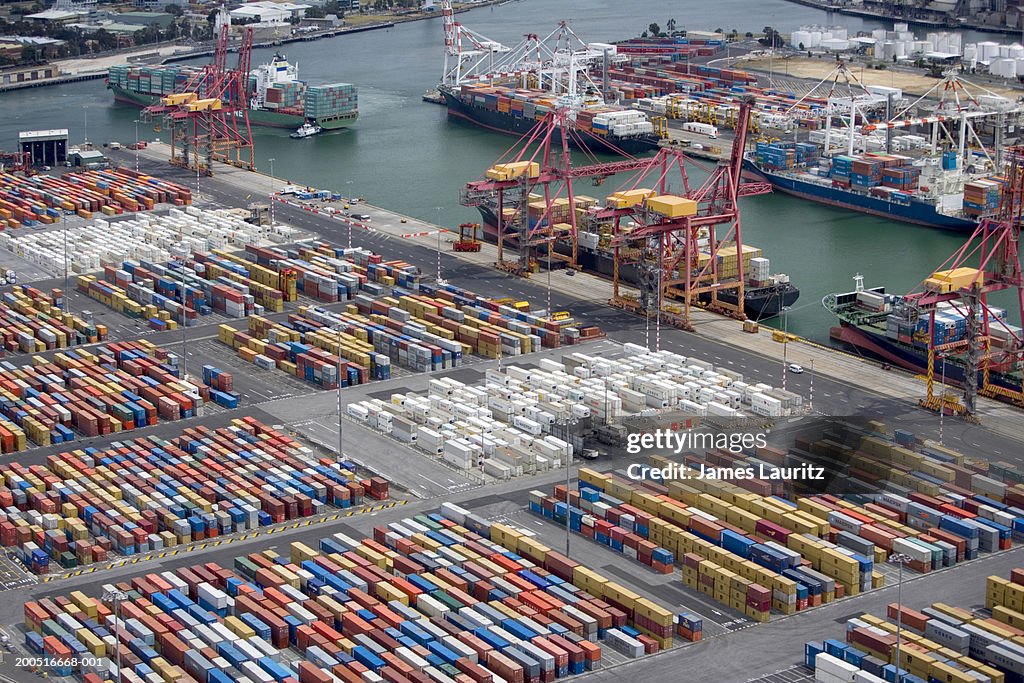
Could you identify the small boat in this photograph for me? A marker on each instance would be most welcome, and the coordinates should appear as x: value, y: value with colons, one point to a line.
x: 306, y: 130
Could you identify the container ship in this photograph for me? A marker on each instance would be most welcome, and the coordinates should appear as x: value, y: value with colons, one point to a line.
x: 765, y: 294
x: 599, y: 127
x: 277, y: 98
x: 875, y: 323
x: 928, y: 191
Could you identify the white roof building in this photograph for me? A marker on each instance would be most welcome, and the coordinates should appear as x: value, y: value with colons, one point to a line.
x: 269, y: 12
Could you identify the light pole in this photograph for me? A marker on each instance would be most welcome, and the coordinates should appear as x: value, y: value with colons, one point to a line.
x: 272, y: 193
x: 900, y: 559
x: 785, y: 344
x: 117, y: 597
x: 942, y: 404
x: 341, y: 431
x: 136, y: 145
x: 438, y: 209
x: 810, y: 401
x: 348, y: 200
x: 184, y: 315
x: 549, y: 278
x: 566, y: 425
x: 64, y: 225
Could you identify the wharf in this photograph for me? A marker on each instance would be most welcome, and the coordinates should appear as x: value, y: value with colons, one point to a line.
x: 848, y: 373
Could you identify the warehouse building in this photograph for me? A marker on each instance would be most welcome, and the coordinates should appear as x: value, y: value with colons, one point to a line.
x: 47, y: 147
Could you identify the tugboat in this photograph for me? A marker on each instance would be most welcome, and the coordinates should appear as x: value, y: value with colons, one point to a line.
x: 306, y: 130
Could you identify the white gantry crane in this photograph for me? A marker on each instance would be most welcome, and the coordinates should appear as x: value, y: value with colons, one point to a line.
x: 558, y: 63
x: 466, y: 52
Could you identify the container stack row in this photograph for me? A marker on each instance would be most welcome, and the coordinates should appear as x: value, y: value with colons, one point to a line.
x: 498, y: 427
x: 270, y: 345
x: 432, y: 601
x: 729, y: 551
x: 652, y: 625
x: 221, y: 386
x: 153, y: 238
x: 32, y: 320
x: 664, y: 380
x: 331, y: 101
x: 941, y: 642
x: 151, y: 493
x: 114, y: 388
x: 43, y: 199
x: 152, y: 80
x: 144, y: 287
x: 328, y: 273
x: 610, y: 522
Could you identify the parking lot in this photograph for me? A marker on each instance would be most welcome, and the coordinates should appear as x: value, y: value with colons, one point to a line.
x: 797, y: 673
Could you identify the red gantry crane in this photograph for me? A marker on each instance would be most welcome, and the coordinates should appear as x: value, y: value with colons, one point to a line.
x: 209, y: 117
x: 988, y: 262
x: 665, y: 233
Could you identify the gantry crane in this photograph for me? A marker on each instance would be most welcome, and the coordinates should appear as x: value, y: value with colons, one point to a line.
x: 988, y: 262
x: 541, y: 161
x: 209, y: 116
x: 678, y: 238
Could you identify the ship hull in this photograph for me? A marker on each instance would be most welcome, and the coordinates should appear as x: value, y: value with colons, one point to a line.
x: 913, y: 359
x: 257, y: 117
x: 759, y: 303
x: 507, y: 124
x: 915, y: 212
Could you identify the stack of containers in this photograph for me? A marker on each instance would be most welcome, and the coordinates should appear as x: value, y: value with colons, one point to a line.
x: 904, y: 178
x: 157, y: 239
x: 331, y: 101
x: 607, y: 520
x: 940, y: 642
x: 32, y: 321
x: 120, y: 387
x: 866, y: 172
x: 432, y: 599
x: 842, y: 168
x: 150, y: 494
x: 221, y: 386
x: 981, y: 197
x: 776, y: 155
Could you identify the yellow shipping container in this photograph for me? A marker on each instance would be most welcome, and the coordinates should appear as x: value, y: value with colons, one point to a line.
x: 672, y: 206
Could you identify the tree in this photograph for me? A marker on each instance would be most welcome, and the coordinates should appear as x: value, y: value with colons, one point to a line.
x: 654, y: 29
x: 801, y: 47
x: 28, y: 54
x: 174, y: 9
x: 772, y: 38
x: 315, y: 13
x: 670, y: 25
x: 748, y: 35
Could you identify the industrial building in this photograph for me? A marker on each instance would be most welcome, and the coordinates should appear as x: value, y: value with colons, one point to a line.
x: 47, y: 147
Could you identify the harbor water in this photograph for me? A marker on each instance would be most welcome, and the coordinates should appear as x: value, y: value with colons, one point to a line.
x: 403, y: 154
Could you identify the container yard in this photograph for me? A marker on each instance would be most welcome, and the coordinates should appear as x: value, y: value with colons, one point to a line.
x: 32, y: 321
x: 341, y: 467
x: 941, y: 641
x: 42, y: 199
x: 433, y: 599
x: 103, y: 391
x: 155, y: 238
x: 149, y: 494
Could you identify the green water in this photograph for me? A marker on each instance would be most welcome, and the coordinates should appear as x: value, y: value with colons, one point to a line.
x: 403, y: 153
